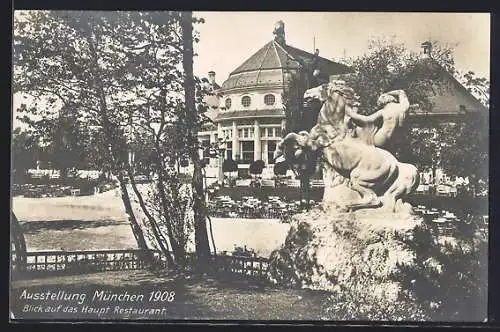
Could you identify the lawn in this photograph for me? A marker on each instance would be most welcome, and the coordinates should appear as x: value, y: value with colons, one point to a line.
x: 74, y: 223
x: 99, y: 222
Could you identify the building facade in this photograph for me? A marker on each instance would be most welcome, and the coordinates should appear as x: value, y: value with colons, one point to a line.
x: 250, y: 113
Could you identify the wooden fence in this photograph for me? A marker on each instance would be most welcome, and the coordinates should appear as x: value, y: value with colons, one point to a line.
x: 254, y: 269
x: 40, y: 263
x: 75, y: 262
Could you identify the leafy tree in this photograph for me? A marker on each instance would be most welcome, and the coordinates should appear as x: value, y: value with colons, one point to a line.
x: 467, y: 154
x: 256, y: 167
x: 280, y: 168
x: 121, y: 72
x: 76, y: 58
x: 68, y: 145
x: 291, y: 97
x: 389, y: 66
x: 297, y: 115
x: 478, y: 86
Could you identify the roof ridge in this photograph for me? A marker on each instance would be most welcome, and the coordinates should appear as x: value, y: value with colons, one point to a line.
x: 277, y: 55
x: 463, y: 88
x: 281, y: 65
x: 459, y: 84
x: 262, y: 62
x: 287, y: 53
x: 236, y: 71
x: 311, y: 54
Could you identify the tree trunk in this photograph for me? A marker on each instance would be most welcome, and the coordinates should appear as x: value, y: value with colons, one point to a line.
x: 136, y: 228
x: 17, y: 236
x: 152, y: 222
x: 201, y: 236
x: 200, y: 225
x: 178, y: 250
x: 110, y: 139
x: 306, y: 191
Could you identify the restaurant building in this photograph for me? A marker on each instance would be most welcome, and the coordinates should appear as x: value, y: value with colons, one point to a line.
x: 250, y: 117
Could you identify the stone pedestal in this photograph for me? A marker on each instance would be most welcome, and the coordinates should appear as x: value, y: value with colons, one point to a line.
x: 333, y: 251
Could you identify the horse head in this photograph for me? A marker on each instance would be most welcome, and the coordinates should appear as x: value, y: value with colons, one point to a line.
x: 334, y: 96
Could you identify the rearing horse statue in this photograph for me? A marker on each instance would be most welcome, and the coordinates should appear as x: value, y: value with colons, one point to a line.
x: 348, y: 153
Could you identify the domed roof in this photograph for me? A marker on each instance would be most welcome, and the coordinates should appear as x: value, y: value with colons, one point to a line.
x: 267, y: 66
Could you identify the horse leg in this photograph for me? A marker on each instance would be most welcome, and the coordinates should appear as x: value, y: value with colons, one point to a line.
x: 390, y: 196
x: 405, y: 183
x: 368, y: 196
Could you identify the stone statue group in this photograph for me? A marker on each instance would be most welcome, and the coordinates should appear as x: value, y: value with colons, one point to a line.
x: 357, y: 171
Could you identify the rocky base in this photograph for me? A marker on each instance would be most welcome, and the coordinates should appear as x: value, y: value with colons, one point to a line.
x: 333, y: 251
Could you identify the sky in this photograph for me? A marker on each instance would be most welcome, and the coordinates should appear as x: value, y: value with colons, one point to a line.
x: 227, y: 39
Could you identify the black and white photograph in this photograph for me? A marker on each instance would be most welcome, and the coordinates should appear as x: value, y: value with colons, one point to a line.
x: 249, y: 166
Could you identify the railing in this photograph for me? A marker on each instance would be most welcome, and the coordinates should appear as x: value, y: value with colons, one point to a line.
x: 40, y: 263
x: 243, y: 267
x: 317, y: 183
x: 292, y: 183
x: 267, y: 183
x: 68, y: 262
x: 283, y: 215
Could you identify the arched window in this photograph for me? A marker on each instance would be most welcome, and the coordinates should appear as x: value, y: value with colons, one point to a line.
x: 245, y: 101
x: 269, y: 99
x: 228, y: 103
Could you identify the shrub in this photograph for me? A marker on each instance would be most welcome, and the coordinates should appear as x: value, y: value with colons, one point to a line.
x: 386, y: 274
x: 347, y: 304
x: 243, y: 251
x: 451, y: 281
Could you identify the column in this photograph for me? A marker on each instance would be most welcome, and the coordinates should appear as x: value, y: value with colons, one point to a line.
x: 219, y: 130
x: 283, y: 125
x: 217, y: 159
x: 256, y: 139
x: 265, y: 154
x: 236, y: 143
x: 213, y: 161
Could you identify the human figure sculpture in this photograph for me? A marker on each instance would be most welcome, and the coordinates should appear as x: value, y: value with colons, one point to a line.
x: 378, y: 128
x: 372, y: 172
x: 386, y: 120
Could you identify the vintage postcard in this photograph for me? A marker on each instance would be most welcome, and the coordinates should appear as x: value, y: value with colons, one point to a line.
x: 319, y: 166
